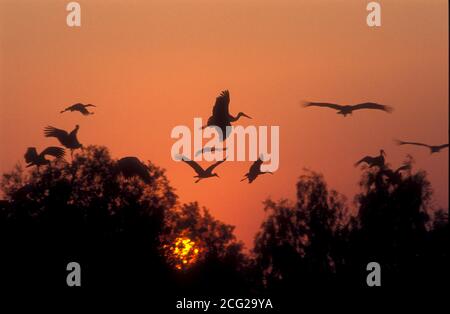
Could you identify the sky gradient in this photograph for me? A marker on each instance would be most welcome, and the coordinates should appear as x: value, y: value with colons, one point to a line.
x: 152, y: 65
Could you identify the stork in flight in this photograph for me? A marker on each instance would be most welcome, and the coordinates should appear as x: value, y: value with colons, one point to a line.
x: 79, y: 107
x: 348, y: 109
x: 209, y: 150
x: 68, y: 140
x: 202, y: 173
x: 254, y: 171
x: 433, y: 148
x: 221, y: 116
x: 133, y: 167
x: 373, y: 161
x: 34, y: 159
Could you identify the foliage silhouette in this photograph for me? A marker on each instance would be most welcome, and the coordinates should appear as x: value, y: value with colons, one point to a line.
x: 113, y: 225
x: 317, y: 243
x: 118, y: 228
x: 297, y: 242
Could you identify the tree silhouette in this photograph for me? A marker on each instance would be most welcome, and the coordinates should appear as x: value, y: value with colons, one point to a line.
x: 297, y: 242
x: 315, y: 242
x: 393, y: 218
x: 86, y: 212
x: 222, y: 268
x: 114, y: 226
x: 127, y: 233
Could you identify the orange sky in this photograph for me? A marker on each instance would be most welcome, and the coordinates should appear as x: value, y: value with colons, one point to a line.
x: 152, y: 65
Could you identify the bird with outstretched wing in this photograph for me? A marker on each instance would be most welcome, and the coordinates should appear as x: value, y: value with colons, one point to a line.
x: 348, y: 109
x: 80, y: 108
x: 202, y: 173
x: 433, y: 148
x: 34, y: 159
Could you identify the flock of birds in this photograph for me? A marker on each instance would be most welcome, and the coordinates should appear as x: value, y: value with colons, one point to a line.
x: 220, y: 118
x: 378, y: 161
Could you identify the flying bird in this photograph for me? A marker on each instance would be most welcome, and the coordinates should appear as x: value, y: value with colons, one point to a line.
x: 209, y: 150
x: 254, y: 171
x: 68, y: 140
x: 433, y: 148
x: 79, y: 107
x: 133, y: 167
x: 202, y: 173
x: 348, y: 109
x: 221, y: 117
x: 34, y: 159
x: 373, y: 161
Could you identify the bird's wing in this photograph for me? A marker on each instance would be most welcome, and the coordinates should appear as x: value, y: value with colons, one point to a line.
x: 50, y: 131
x: 197, y: 168
x: 322, y: 104
x: 220, y: 109
x: 366, y: 159
x: 76, y: 106
x: 84, y: 111
x: 256, y: 166
x: 211, y: 168
x: 402, y: 168
x: 31, y: 154
x: 54, y: 151
x: 411, y: 143
x: 442, y: 146
x: 372, y: 105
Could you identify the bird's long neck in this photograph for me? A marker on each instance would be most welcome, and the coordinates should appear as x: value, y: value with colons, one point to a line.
x: 233, y: 119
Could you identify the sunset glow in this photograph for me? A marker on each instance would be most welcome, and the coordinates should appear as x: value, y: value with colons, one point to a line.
x: 158, y: 64
x: 183, y: 253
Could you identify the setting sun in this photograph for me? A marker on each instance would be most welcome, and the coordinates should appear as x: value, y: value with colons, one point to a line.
x: 182, y: 253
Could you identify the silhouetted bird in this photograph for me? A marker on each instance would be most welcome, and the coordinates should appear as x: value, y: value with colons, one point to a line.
x: 34, y: 159
x: 395, y: 177
x: 209, y: 150
x: 133, y: 167
x: 373, y: 161
x: 202, y: 173
x: 221, y: 116
x: 79, y: 107
x: 345, y: 110
x: 433, y: 149
x: 68, y: 140
x: 254, y: 171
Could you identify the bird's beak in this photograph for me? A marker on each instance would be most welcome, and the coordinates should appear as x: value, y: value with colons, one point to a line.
x: 247, y: 116
x: 217, y: 175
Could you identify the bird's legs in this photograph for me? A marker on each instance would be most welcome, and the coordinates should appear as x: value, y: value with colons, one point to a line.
x: 198, y: 178
x: 245, y: 177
